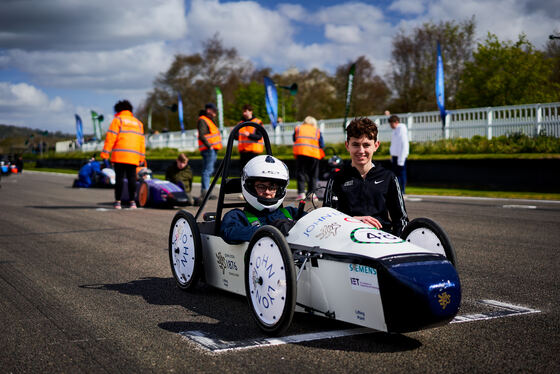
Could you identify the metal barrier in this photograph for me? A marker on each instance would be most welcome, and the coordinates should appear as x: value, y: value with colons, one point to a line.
x: 529, y: 119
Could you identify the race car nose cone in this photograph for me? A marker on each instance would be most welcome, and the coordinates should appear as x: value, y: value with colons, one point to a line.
x: 419, y: 294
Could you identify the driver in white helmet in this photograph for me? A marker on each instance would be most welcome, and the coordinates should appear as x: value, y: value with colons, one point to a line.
x: 263, y: 182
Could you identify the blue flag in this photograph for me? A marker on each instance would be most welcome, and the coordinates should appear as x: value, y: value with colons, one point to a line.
x: 440, y: 91
x: 180, y: 111
x: 79, y: 131
x: 271, y: 98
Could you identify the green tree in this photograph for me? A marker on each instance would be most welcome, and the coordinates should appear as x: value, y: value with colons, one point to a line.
x: 370, y: 93
x: 414, y: 59
x: 251, y: 93
x: 195, y: 77
x: 552, y: 52
x: 507, y: 73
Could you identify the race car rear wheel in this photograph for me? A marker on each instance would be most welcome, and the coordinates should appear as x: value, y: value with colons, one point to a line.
x: 270, y: 280
x: 143, y: 194
x: 185, y: 250
x: 425, y: 233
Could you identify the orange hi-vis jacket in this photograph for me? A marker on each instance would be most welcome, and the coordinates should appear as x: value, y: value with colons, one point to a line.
x: 246, y: 144
x: 214, y: 138
x: 125, y: 140
x: 307, y: 141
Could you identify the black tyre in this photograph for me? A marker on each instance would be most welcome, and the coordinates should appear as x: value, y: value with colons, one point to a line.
x: 143, y: 194
x: 185, y: 250
x: 270, y: 280
x: 425, y: 233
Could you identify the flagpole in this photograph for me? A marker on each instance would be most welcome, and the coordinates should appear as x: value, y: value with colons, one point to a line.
x: 348, y: 94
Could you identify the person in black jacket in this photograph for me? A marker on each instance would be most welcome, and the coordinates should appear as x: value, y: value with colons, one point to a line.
x: 364, y: 189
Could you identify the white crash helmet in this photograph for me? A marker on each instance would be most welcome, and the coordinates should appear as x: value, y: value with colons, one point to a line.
x: 145, y: 173
x: 268, y: 168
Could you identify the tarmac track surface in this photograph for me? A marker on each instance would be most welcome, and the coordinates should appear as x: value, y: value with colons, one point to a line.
x: 85, y: 288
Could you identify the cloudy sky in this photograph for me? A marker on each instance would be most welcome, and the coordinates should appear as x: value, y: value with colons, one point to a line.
x: 60, y: 57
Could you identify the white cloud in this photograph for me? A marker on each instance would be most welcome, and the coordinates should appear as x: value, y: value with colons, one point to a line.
x: 343, y: 33
x: 134, y: 67
x: 253, y: 30
x: 408, y: 6
x: 89, y: 25
x: 294, y: 12
x: 25, y: 105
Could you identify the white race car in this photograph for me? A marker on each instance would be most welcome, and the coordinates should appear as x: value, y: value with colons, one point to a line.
x: 329, y: 264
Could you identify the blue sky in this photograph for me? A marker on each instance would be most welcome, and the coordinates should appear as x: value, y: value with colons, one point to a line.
x: 60, y: 57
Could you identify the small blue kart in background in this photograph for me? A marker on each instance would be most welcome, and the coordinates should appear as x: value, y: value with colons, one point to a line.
x: 157, y: 193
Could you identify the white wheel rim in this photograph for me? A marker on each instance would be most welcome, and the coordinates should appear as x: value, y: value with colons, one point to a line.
x: 267, y: 281
x: 426, y: 239
x: 182, y: 249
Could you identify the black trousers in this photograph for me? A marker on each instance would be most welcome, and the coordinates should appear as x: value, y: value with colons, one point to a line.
x: 245, y: 157
x: 122, y: 170
x: 307, y: 170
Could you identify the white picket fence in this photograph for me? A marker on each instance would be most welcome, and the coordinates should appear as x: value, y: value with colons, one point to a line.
x: 529, y: 119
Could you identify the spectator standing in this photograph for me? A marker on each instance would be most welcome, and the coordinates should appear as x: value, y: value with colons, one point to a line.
x: 399, y: 149
x: 209, y: 143
x: 125, y: 144
x: 249, y: 142
x: 308, y: 145
x: 19, y: 164
x: 181, y: 174
x: 364, y: 189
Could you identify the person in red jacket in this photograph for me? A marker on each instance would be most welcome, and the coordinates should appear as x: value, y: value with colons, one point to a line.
x: 125, y: 144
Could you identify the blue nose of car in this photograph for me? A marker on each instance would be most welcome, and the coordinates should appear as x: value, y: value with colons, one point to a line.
x: 418, y: 293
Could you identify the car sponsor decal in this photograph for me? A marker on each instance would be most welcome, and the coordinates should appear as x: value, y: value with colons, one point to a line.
x: 369, y: 235
x: 363, y: 278
x: 444, y: 299
x: 310, y: 228
x: 224, y: 262
x: 328, y: 230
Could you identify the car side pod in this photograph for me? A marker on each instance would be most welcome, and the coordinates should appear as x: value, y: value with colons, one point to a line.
x: 418, y: 292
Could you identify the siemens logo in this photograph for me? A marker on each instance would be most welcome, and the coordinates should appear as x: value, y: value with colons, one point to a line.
x: 362, y: 269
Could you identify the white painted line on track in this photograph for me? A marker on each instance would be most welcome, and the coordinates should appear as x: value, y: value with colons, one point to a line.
x: 408, y: 198
x: 217, y: 345
x: 505, y: 310
x: 441, y: 197
x: 514, y: 206
x: 220, y: 345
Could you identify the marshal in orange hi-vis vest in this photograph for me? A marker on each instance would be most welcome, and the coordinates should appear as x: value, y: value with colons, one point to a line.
x: 214, y: 138
x: 246, y: 144
x: 307, y: 141
x: 125, y: 140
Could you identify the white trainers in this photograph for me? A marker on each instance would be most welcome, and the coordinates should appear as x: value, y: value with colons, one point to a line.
x: 300, y: 196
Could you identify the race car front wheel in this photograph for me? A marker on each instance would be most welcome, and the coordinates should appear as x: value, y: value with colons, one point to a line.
x: 185, y: 253
x: 270, y: 280
x: 427, y: 234
x: 143, y: 194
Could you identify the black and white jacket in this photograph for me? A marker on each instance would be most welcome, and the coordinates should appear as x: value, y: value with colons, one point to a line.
x: 377, y: 195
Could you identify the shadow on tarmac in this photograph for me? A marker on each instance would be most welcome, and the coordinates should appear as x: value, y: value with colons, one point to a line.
x: 226, y: 316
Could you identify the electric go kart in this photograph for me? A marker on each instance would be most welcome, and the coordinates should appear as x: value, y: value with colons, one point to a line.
x: 156, y: 193
x: 329, y: 264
